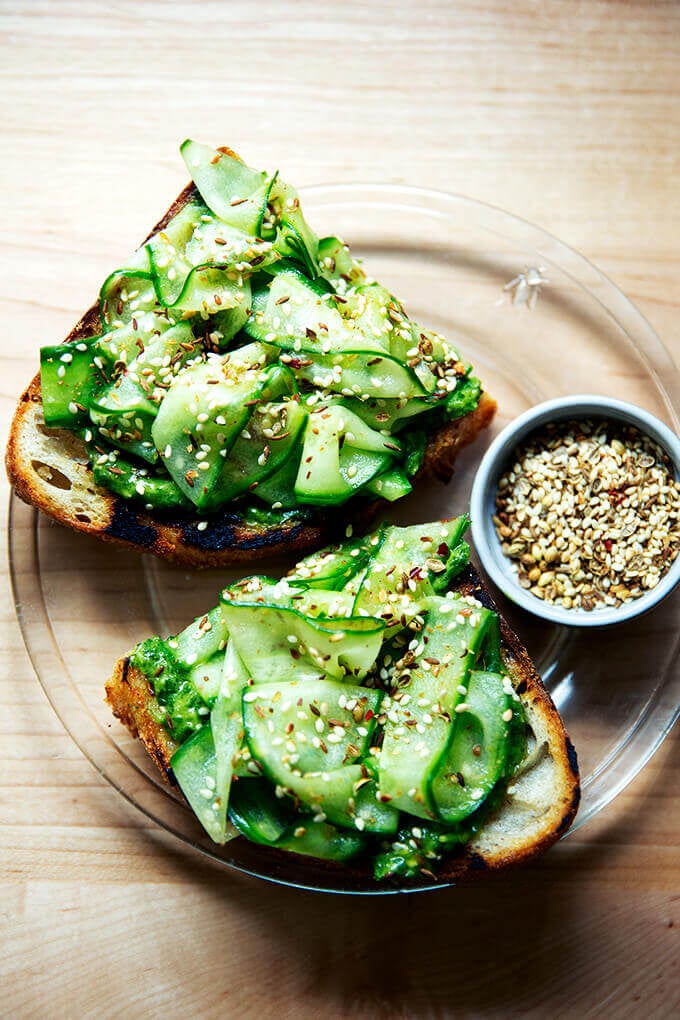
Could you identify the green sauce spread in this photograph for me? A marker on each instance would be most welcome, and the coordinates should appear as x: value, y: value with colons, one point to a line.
x: 180, y: 707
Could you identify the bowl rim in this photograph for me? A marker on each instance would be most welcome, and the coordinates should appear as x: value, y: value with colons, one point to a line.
x: 487, y: 545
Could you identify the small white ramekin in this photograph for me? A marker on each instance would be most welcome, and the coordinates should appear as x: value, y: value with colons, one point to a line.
x: 483, y: 503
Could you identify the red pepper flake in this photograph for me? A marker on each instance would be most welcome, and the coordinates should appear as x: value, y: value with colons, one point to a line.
x: 608, y: 544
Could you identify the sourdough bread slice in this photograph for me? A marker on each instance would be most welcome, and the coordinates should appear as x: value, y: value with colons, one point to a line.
x: 49, y: 468
x: 540, y: 802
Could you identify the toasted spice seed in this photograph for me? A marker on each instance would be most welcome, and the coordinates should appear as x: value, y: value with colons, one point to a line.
x: 589, y: 514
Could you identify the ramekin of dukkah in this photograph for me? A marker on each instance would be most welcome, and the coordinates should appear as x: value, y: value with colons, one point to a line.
x: 576, y: 511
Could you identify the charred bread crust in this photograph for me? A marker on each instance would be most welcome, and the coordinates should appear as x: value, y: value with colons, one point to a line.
x: 508, y: 837
x: 132, y: 700
x: 49, y: 469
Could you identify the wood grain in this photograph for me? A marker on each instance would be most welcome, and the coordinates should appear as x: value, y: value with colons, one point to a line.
x: 566, y: 113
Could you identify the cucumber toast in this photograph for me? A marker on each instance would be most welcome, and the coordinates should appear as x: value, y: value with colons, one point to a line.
x: 241, y: 386
x: 371, y: 710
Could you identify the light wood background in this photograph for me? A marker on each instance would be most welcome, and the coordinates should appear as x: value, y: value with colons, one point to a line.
x: 567, y: 114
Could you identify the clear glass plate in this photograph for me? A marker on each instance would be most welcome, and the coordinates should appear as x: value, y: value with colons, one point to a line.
x: 82, y: 604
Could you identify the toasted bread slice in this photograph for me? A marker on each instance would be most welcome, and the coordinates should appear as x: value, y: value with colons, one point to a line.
x: 540, y: 803
x: 49, y: 469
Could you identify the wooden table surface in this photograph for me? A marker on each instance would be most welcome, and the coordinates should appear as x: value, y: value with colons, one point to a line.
x: 567, y: 114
